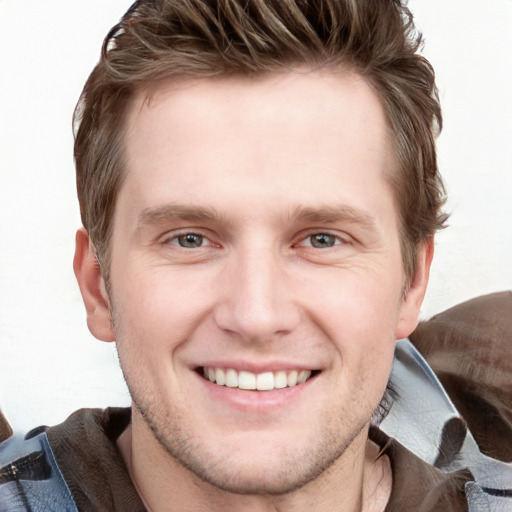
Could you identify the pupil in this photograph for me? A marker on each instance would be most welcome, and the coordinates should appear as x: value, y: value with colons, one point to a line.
x: 322, y: 240
x: 190, y: 240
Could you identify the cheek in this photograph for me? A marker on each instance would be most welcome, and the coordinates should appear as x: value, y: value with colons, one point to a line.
x: 372, y: 378
x: 360, y: 318
x: 159, y: 304
x: 351, y: 301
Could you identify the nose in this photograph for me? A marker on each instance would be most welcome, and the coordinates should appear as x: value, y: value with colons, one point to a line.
x: 257, y: 302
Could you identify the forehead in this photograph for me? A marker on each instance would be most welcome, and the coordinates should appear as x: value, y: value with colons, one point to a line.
x: 302, y: 134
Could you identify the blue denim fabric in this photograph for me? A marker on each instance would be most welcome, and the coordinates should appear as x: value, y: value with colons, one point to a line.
x: 30, y: 480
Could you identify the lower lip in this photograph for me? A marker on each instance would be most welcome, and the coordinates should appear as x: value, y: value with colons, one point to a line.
x: 253, y: 400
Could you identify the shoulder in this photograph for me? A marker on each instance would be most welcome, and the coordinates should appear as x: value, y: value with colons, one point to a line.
x: 30, y: 478
x: 418, y: 485
x: 469, y: 348
x: 86, y: 451
x: 69, y: 467
x: 452, y: 408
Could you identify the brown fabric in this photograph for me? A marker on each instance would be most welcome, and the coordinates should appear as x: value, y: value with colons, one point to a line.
x: 86, y: 452
x: 5, y: 428
x: 470, y: 349
x: 418, y: 486
x: 85, y: 449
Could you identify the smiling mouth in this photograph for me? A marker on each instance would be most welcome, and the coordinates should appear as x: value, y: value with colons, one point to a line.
x: 266, y: 381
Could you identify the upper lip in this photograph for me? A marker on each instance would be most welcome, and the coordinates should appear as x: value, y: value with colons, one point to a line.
x: 257, y: 368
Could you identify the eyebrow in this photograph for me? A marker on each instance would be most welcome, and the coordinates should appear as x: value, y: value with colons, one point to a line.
x: 331, y: 215
x: 321, y: 215
x: 170, y: 212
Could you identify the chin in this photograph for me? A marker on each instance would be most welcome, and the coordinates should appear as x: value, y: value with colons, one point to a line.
x: 260, y: 476
x: 255, y: 463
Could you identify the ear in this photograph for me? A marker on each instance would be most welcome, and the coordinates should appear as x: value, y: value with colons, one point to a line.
x: 88, y: 274
x: 413, y: 298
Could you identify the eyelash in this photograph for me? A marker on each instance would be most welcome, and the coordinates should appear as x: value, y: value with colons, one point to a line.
x: 336, y: 240
x: 175, y: 239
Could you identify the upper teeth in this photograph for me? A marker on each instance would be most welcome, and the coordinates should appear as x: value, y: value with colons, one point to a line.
x: 261, y: 381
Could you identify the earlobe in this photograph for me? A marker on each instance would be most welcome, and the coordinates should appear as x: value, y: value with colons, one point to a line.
x: 413, y: 298
x: 92, y: 288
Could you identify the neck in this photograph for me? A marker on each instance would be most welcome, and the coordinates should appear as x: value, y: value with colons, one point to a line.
x: 358, y: 481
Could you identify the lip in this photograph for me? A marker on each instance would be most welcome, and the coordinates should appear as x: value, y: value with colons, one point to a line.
x: 255, y: 368
x: 253, y: 401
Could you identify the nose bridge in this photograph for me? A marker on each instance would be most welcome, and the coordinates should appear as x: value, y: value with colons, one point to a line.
x: 257, y: 303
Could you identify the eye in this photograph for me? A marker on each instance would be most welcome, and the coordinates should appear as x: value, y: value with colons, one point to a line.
x: 321, y: 241
x: 189, y: 240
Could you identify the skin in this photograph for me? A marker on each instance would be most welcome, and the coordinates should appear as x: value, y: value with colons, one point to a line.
x: 256, y: 168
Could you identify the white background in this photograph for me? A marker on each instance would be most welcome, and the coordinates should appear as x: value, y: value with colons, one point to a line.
x: 49, y: 363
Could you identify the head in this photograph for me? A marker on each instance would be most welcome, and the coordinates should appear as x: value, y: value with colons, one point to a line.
x: 259, y: 184
x: 159, y: 40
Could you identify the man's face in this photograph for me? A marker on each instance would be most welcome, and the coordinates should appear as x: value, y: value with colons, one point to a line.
x: 256, y: 240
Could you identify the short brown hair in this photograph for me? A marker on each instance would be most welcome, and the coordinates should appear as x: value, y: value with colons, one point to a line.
x: 159, y: 39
